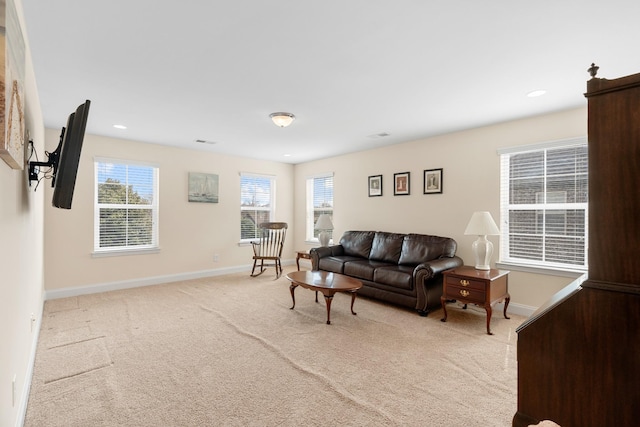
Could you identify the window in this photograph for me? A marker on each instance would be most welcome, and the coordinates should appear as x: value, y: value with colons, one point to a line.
x: 126, y: 206
x: 257, y: 196
x: 319, y: 201
x: 544, y: 208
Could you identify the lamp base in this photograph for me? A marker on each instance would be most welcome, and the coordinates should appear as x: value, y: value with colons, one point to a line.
x: 324, y: 238
x: 482, y: 249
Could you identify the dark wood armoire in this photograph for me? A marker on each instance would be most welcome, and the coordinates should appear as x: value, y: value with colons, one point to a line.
x: 579, y: 354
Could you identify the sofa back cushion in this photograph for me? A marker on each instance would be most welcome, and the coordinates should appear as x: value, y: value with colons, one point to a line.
x: 357, y: 243
x: 386, y: 247
x: 418, y: 248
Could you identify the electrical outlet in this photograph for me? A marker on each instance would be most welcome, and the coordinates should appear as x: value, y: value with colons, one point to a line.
x: 216, y: 258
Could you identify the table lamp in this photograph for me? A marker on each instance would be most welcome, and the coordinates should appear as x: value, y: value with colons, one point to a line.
x: 325, y: 226
x: 482, y: 224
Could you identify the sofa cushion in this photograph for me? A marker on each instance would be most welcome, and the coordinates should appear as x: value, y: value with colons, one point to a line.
x: 386, y: 247
x: 362, y: 269
x: 335, y: 264
x: 398, y: 276
x: 419, y: 248
x: 357, y: 243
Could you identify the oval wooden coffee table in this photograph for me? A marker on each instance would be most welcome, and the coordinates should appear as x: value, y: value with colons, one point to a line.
x: 326, y: 282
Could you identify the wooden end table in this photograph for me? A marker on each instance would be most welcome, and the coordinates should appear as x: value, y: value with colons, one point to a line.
x: 481, y: 287
x: 303, y: 255
x: 326, y: 282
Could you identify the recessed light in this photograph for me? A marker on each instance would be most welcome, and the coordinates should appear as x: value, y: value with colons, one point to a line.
x: 287, y: 155
x: 536, y: 93
x: 119, y: 126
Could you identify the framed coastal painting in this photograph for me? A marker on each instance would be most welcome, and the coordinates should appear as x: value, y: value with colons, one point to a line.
x: 375, y: 185
x: 433, y: 181
x: 12, y: 70
x: 401, y: 184
x: 203, y: 187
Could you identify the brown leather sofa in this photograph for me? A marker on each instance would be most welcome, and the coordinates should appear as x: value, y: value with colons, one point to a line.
x: 403, y: 269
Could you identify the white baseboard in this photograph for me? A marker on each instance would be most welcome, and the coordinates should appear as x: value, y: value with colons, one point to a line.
x: 28, y: 377
x: 136, y: 283
x: 517, y: 309
x: 147, y: 281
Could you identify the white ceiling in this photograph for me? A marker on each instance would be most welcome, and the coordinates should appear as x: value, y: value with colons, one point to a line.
x: 177, y: 71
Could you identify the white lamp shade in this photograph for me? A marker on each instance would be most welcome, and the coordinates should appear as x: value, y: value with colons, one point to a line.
x: 482, y: 224
x: 324, y: 223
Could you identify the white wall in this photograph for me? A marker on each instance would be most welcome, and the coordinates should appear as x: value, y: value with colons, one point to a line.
x: 190, y: 233
x: 471, y: 182
x: 21, y: 258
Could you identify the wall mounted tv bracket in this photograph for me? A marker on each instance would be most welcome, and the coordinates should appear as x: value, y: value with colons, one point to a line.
x: 51, y: 163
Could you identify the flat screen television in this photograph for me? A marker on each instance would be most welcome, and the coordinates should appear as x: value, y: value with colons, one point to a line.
x: 67, y: 155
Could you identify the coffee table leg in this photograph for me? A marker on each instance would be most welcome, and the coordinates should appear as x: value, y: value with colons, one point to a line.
x: 292, y: 288
x: 353, y: 299
x: 328, y: 299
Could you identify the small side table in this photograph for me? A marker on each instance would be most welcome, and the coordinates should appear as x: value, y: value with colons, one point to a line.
x: 303, y: 255
x: 481, y: 287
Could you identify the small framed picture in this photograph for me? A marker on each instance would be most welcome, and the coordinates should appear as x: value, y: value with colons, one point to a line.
x: 433, y: 181
x: 375, y: 185
x: 203, y: 187
x: 401, y: 184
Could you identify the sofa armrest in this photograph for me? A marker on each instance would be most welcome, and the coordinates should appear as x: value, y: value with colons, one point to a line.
x: 428, y: 270
x: 427, y: 278
x: 323, y: 252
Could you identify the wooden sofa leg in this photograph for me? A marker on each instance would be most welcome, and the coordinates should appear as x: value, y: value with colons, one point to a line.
x: 423, y: 313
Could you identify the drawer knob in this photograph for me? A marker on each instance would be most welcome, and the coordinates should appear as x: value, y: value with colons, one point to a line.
x: 464, y: 282
x: 464, y: 293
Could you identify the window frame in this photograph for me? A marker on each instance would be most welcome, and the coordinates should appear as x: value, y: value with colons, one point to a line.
x: 272, y: 201
x: 311, y: 234
x: 154, y: 207
x: 506, y: 259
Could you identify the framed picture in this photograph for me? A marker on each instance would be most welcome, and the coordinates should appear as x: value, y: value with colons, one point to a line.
x: 433, y: 181
x: 375, y: 185
x: 203, y: 187
x: 12, y: 72
x: 401, y: 184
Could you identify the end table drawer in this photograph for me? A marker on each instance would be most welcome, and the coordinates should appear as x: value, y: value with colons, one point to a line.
x: 465, y: 282
x: 466, y: 294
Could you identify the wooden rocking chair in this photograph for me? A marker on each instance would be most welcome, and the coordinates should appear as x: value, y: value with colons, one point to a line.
x: 269, y: 246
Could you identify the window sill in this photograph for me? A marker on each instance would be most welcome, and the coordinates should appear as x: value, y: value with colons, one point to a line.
x: 124, y: 252
x: 541, y: 270
x: 316, y: 242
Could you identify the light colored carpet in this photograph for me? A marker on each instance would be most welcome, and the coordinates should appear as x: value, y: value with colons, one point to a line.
x: 228, y: 351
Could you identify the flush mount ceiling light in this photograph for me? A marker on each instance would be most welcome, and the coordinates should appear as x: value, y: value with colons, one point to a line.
x: 282, y: 119
x: 119, y: 126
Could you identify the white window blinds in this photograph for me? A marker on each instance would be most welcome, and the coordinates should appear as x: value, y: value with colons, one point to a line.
x: 319, y: 201
x: 126, y: 206
x: 544, y: 199
x: 257, y: 194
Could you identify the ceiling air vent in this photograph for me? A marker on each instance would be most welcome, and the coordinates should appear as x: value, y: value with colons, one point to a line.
x: 380, y: 135
x: 204, y: 141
